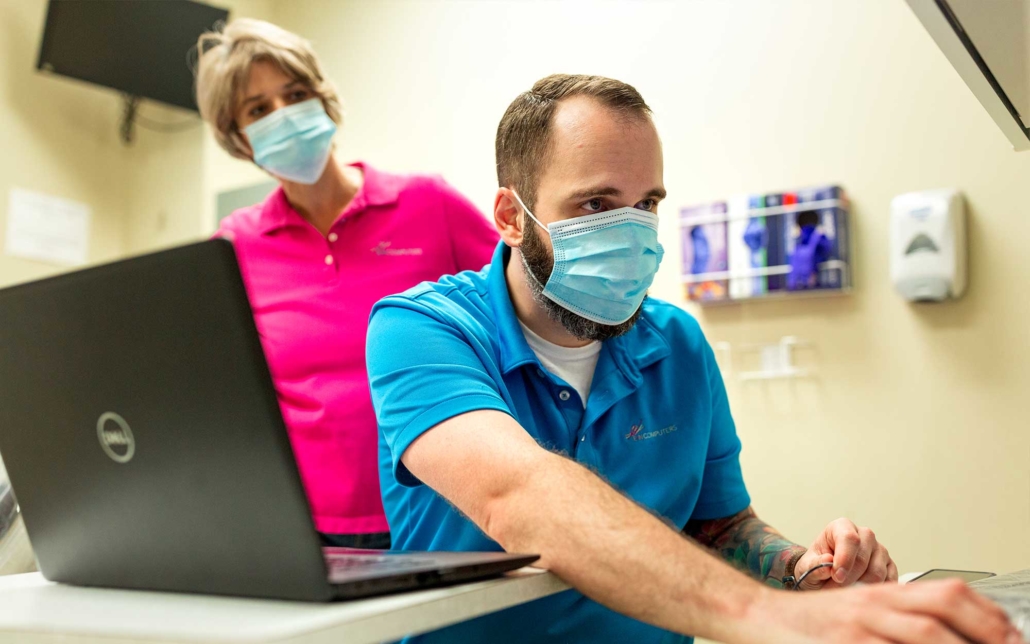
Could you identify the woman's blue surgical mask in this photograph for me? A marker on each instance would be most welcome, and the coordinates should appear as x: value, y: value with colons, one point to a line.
x: 293, y: 142
x: 603, y: 263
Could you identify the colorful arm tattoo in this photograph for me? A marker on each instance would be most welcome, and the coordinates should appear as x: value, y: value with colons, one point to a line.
x: 748, y: 543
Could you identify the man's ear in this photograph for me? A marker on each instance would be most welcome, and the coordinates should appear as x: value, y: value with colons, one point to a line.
x: 506, y: 217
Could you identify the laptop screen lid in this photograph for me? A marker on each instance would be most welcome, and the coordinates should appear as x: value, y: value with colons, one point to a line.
x: 142, y: 435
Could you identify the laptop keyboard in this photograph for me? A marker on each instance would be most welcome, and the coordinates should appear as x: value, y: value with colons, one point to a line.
x: 344, y: 563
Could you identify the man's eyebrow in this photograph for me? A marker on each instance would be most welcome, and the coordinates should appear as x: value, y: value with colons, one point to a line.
x: 612, y: 191
x: 601, y: 191
x: 258, y: 97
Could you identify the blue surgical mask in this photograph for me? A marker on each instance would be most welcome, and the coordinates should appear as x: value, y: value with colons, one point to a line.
x: 603, y: 263
x: 293, y: 142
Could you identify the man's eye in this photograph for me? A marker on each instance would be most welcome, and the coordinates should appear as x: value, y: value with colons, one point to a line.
x: 594, y: 205
x: 648, y: 204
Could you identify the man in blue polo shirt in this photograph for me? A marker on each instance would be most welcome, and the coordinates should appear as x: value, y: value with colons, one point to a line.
x: 545, y: 405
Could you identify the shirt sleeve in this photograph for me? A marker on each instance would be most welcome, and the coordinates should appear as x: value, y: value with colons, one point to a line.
x: 414, y: 390
x: 723, y: 492
x: 224, y: 231
x: 473, y: 237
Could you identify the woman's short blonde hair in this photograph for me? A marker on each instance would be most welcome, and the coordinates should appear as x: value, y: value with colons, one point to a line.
x: 223, y: 68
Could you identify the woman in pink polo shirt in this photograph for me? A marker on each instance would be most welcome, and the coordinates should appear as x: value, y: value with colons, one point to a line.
x: 319, y: 252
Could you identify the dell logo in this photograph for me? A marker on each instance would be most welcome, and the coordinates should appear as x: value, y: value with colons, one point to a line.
x: 115, y: 437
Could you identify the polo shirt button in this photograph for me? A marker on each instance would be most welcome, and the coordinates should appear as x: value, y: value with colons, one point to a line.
x: 564, y: 395
x: 333, y: 237
x: 328, y: 259
x: 582, y: 439
x: 540, y: 372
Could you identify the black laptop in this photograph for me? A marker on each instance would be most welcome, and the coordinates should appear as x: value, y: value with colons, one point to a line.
x: 141, y: 432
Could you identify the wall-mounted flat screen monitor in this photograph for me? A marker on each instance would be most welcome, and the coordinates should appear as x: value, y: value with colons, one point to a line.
x: 142, y: 48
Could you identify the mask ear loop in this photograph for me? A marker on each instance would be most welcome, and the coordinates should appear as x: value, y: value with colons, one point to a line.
x: 531, y: 216
x: 525, y: 265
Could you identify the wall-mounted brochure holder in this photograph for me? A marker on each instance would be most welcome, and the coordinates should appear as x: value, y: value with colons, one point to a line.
x: 761, y: 246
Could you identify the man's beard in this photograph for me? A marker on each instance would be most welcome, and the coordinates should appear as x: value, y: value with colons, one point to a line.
x: 539, y: 263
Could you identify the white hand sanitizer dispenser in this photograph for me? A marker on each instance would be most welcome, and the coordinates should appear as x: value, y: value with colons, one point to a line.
x: 928, y: 245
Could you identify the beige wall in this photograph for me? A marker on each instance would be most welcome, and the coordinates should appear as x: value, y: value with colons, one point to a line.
x: 916, y: 424
x: 178, y: 176
x: 58, y: 137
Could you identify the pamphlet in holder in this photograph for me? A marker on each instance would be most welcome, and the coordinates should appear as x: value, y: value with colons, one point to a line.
x: 760, y: 246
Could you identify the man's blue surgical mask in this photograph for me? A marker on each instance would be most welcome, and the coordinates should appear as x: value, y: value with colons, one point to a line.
x: 293, y: 142
x: 603, y: 263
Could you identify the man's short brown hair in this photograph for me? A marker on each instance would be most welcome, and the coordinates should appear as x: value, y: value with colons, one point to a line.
x: 524, y: 133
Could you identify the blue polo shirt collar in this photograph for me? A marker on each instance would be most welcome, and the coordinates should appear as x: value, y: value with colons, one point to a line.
x: 641, y: 347
x: 514, y: 349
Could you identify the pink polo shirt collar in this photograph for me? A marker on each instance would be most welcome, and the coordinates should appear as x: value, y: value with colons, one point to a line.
x: 378, y: 189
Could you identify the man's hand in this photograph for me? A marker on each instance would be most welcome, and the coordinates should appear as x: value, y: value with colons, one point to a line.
x: 855, y: 553
x: 946, y: 612
x: 757, y: 548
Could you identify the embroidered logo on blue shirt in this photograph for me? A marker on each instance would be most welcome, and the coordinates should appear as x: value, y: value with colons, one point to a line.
x: 637, y: 433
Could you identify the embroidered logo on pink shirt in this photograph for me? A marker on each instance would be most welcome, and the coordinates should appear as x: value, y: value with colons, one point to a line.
x: 383, y: 248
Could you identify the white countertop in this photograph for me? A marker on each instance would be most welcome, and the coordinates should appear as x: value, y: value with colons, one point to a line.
x: 34, y: 611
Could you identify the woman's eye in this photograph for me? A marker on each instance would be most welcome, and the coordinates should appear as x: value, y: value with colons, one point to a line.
x: 299, y: 95
x: 257, y: 111
x: 594, y: 205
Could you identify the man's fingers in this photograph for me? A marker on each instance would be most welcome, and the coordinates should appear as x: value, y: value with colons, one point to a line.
x: 953, y: 603
x: 988, y: 605
x: 878, y: 569
x: 892, y: 572
x: 819, y: 576
x: 909, y: 628
x: 846, y: 544
x: 866, y: 550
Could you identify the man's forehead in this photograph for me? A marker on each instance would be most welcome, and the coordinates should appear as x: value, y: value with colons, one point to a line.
x: 593, y: 145
x: 583, y: 120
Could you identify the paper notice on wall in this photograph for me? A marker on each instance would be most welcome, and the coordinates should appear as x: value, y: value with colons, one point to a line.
x: 46, y: 228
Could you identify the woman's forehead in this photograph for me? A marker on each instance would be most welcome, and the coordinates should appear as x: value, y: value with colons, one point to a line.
x: 264, y: 76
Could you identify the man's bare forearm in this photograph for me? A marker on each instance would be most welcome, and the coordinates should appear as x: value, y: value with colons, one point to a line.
x: 618, y: 554
x: 594, y: 538
x: 530, y: 500
x: 747, y: 543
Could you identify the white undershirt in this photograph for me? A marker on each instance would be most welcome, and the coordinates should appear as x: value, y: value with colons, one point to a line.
x: 574, y: 365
